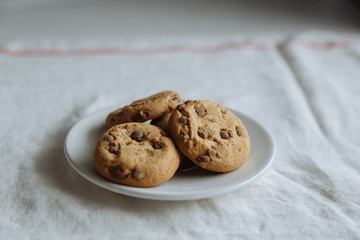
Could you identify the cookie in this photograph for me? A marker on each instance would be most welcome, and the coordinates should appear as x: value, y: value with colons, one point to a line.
x: 136, y: 154
x: 210, y: 135
x: 145, y: 109
x: 162, y: 122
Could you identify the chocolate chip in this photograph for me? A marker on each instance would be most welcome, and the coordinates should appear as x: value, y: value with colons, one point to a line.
x: 140, y: 117
x: 224, y: 134
x: 109, y: 138
x: 181, y: 107
x: 137, y: 135
x: 163, y: 133
x: 156, y: 145
x: 204, y: 159
x: 117, y: 172
x: 202, y: 133
x: 183, y: 120
x: 212, y: 120
x: 114, y: 147
x: 230, y: 133
x: 223, y: 111
x: 200, y: 111
x: 185, y: 135
x: 138, y: 175
x: 238, y: 131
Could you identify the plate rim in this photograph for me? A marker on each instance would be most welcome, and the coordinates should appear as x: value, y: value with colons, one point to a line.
x: 139, y: 192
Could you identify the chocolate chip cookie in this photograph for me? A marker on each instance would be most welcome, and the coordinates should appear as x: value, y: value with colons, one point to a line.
x: 136, y: 154
x: 145, y: 109
x: 162, y: 122
x: 210, y: 135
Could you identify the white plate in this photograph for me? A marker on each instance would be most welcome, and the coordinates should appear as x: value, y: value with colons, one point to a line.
x: 187, y: 185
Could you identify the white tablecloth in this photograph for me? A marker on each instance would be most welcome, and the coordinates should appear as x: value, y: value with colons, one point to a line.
x: 304, y: 89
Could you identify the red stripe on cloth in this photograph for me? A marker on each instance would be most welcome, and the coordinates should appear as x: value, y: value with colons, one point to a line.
x: 171, y: 49
x: 321, y: 45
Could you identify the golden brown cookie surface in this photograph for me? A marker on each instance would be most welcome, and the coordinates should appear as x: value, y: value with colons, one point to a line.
x: 145, y: 109
x: 136, y: 154
x: 210, y: 135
